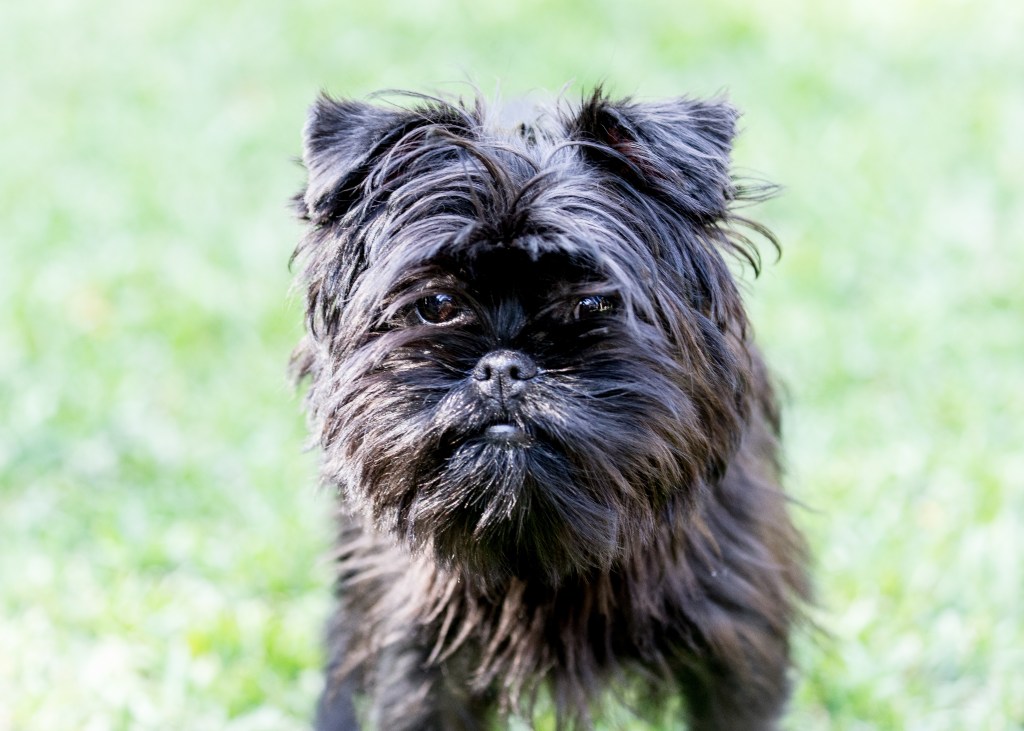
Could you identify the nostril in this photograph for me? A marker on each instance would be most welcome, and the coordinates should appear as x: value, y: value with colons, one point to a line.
x: 506, y: 366
x: 521, y: 368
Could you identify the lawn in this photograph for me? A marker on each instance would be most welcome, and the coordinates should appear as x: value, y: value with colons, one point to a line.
x: 162, y: 539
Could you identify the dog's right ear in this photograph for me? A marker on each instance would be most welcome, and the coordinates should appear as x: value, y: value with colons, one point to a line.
x: 340, y: 141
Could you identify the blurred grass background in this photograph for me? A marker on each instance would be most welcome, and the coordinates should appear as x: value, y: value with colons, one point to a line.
x: 160, y: 533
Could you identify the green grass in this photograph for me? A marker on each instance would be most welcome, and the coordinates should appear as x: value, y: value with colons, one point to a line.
x: 161, y: 537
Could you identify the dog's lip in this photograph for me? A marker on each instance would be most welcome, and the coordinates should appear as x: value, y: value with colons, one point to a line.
x: 506, y: 433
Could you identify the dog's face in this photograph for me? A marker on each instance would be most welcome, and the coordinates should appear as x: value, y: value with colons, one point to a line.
x: 524, y: 344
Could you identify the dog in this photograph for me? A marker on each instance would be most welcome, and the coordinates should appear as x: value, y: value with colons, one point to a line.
x: 554, y: 443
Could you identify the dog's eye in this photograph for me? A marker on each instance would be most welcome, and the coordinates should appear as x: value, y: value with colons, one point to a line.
x: 591, y: 305
x: 437, y: 309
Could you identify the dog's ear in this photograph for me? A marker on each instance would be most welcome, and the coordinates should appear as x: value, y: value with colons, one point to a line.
x: 355, y: 154
x: 679, y: 147
x: 340, y: 140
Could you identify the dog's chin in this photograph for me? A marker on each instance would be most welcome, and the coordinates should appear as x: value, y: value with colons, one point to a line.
x: 505, y: 502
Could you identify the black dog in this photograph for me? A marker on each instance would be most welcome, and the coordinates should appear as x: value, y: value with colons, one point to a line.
x: 553, y: 440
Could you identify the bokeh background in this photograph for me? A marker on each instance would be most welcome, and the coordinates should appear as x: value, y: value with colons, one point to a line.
x: 161, y: 534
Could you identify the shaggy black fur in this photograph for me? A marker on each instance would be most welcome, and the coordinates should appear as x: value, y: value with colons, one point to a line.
x: 553, y: 440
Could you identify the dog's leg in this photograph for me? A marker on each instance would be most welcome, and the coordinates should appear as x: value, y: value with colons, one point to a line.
x: 742, y: 693
x: 335, y: 710
x: 412, y: 696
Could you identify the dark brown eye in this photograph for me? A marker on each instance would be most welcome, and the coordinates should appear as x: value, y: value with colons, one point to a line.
x: 437, y: 309
x: 591, y: 305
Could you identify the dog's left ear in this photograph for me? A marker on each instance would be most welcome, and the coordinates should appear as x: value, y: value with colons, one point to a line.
x: 680, y: 146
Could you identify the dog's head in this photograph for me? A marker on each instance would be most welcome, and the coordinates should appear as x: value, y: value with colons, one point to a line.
x: 524, y: 343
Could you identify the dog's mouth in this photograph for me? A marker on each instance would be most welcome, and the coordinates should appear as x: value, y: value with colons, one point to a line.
x: 498, y: 433
x: 506, y: 433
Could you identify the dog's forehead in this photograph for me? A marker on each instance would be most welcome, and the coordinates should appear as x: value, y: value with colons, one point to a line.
x: 512, y: 182
x: 505, y: 208
x: 515, y: 269
x: 503, y: 274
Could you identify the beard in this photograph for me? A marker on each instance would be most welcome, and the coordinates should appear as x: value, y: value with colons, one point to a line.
x: 560, y: 482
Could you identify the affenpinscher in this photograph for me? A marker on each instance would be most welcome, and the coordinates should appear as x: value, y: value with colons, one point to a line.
x: 554, y: 443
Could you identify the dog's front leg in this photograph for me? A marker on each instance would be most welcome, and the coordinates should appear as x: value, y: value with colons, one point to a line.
x: 411, y: 694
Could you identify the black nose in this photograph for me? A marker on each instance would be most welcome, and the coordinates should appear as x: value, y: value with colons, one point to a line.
x: 504, y: 374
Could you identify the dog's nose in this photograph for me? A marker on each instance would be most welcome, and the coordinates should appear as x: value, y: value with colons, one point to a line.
x: 504, y: 374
